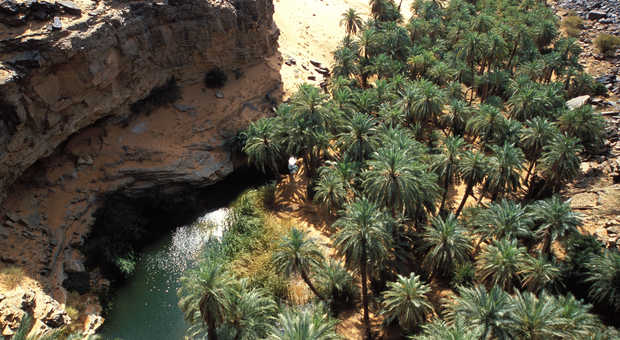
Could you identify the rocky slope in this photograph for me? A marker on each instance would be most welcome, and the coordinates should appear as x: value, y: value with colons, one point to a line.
x: 71, y: 131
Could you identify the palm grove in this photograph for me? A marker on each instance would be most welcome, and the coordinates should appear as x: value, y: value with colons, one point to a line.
x: 440, y: 148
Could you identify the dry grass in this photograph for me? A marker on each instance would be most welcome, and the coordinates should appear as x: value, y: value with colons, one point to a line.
x: 11, y: 277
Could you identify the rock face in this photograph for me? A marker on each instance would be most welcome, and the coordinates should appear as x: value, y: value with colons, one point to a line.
x: 73, y: 127
x: 55, y: 83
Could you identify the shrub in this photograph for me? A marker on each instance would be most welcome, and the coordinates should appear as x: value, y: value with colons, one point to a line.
x: 583, y: 84
x: 127, y: 264
x: 159, y: 96
x: 572, y: 25
x: 607, y: 44
x: 268, y: 194
x: 464, y: 275
x: 215, y: 78
x: 11, y: 277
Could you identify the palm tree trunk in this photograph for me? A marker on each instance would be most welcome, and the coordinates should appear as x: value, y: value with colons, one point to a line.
x: 485, y: 332
x: 546, y: 249
x: 467, y: 193
x: 445, y: 194
x: 304, y: 276
x: 365, y: 291
x: 529, y: 172
x: 211, y: 328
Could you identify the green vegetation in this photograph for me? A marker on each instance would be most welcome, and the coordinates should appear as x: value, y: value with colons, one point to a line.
x: 440, y: 148
x: 572, y: 25
x: 607, y: 44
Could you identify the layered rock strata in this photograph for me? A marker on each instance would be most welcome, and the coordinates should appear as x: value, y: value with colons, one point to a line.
x: 71, y: 131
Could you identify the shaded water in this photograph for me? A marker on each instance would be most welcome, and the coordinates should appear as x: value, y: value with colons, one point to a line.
x: 146, y: 306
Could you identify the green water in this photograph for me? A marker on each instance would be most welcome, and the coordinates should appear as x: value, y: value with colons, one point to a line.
x: 145, y: 307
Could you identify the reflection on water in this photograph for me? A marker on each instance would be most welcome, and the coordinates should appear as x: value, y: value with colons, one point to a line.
x: 146, y: 306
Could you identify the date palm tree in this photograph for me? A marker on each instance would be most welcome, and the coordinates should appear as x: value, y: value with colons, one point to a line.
x: 428, y: 102
x: 485, y: 311
x: 362, y: 238
x: 397, y: 180
x: 251, y: 311
x: 441, y: 330
x: 472, y: 168
x: 358, y: 139
x: 536, y: 273
x: 331, y: 190
x: 445, y: 164
x: 298, y: 254
x: 603, y: 277
x: 535, y: 319
x: 306, y: 324
x: 504, y: 168
x: 555, y: 219
x: 560, y: 162
x: 406, y: 300
x: 449, y: 244
x: 351, y: 21
x: 499, y: 263
x: 504, y: 219
x: 263, y: 145
x: 538, y: 134
x: 205, y: 296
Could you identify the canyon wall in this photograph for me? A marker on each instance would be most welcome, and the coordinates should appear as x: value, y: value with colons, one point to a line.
x: 74, y: 78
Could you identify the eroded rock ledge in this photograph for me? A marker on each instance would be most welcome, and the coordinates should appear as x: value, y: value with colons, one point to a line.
x: 68, y: 136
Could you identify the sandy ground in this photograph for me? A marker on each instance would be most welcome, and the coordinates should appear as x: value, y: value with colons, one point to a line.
x: 310, y: 30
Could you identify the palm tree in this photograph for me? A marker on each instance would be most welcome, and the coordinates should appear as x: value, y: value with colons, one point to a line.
x: 535, y: 319
x: 395, y: 179
x: 560, y: 161
x: 351, y: 21
x: 338, y: 283
x: 262, y: 144
x: 429, y: 101
x: 504, y: 168
x: 251, y: 311
x: 445, y: 165
x: 472, y: 168
x: 449, y: 244
x: 362, y: 238
x: 579, y: 323
x: 440, y: 330
x: 345, y: 63
x: 331, y: 190
x: 488, y: 312
x: 603, y: 274
x: 499, y: 263
x: 536, y: 273
x: 358, y: 140
x: 485, y: 123
x: 503, y: 219
x: 205, y: 296
x: 555, y: 219
x: 583, y: 124
x: 304, y: 324
x: 538, y: 134
x: 297, y: 254
x: 406, y: 300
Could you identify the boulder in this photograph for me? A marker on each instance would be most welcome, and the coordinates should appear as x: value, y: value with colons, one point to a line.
x: 596, y: 14
x: 69, y: 7
x: 578, y: 102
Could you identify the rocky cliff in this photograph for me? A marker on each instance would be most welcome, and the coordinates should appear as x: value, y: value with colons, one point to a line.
x: 99, y: 97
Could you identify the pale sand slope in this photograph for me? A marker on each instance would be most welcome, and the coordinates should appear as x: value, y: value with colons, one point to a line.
x: 310, y: 29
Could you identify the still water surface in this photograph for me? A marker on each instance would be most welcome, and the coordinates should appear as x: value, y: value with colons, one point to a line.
x: 145, y: 308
